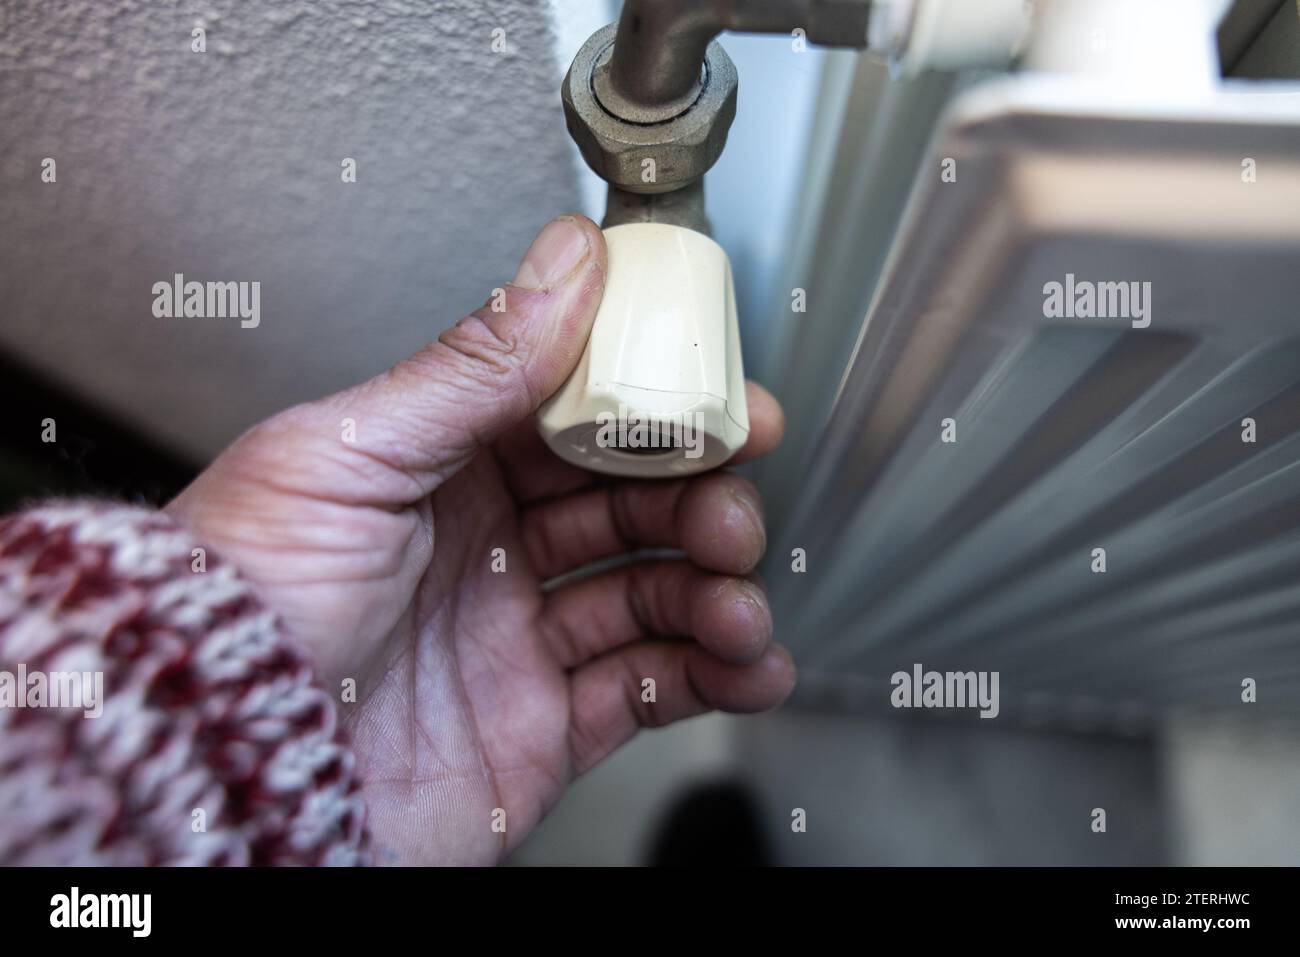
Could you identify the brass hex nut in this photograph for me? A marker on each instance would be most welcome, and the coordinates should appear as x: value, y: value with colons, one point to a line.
x: 649, y: 157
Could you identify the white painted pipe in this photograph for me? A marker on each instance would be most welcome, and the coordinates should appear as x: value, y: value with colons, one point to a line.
x: 950, y: 34
x: 1148, y: 44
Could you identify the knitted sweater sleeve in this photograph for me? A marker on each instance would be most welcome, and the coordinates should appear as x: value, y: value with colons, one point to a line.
x: 207, y: 743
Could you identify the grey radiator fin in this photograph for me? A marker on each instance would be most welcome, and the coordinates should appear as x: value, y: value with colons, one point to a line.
x: 1071, y: 434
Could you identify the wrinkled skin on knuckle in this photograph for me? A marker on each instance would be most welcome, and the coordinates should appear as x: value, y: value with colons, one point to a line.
x: 487, y: 354
x: 476, y: 360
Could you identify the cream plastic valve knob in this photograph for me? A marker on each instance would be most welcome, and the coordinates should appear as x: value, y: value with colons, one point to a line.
x: 659, y: 390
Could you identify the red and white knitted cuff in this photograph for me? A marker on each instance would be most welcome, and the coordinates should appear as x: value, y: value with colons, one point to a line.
x: 213, y: 746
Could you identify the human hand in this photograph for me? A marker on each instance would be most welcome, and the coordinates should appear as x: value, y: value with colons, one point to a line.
x: 477, y: 690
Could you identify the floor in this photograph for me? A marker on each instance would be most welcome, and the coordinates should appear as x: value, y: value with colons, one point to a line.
x: 942, y: 791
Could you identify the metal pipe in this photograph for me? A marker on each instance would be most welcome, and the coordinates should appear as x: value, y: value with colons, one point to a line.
x: 679, y: 207
x: 660, y: 45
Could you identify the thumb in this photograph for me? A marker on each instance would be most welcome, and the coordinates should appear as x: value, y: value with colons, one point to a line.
x: 491, y: 370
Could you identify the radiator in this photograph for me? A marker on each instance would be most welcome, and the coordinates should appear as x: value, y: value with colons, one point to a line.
x: 1067, y: 445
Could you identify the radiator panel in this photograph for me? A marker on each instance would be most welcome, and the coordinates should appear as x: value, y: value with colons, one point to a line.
x: 1071, y: 433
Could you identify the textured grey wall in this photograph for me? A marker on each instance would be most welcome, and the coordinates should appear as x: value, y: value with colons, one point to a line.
x: 225, y: 165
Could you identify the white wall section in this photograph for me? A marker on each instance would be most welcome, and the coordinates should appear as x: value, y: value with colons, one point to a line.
x: 226, y: 166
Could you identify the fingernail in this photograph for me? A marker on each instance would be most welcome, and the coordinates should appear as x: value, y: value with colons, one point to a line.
x: 553, y: 255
